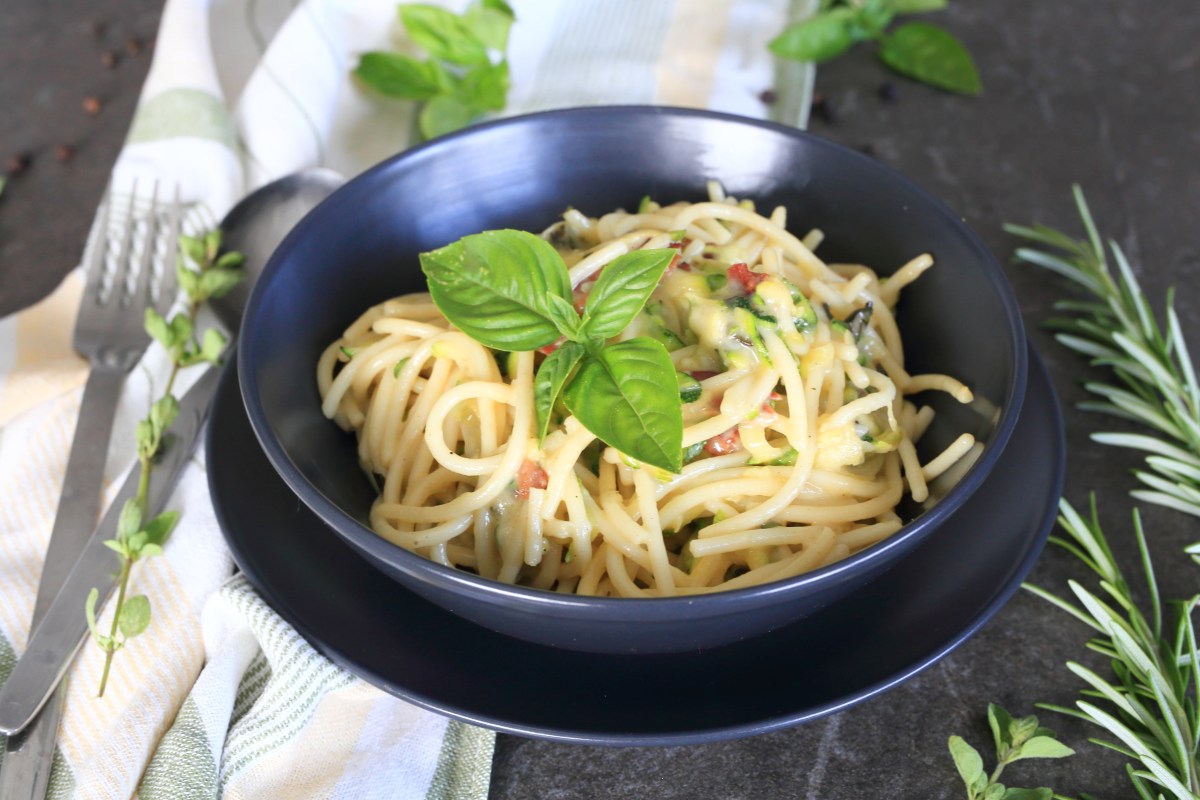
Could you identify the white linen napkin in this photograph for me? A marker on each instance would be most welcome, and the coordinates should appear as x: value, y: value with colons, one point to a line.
x: 221, y: 697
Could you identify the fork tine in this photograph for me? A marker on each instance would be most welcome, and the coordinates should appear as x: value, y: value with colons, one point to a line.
x: 93, y: 267
x: 141, y: 292
x: 126, y: 255
x: 168, y: 281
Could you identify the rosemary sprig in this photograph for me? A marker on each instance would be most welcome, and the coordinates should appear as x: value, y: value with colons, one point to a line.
x: 1156, y: 383
x: 1149, y: 704
x: 204, y: 272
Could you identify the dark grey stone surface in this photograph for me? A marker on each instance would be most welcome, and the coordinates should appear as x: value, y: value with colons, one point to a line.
x: 1100, y: 92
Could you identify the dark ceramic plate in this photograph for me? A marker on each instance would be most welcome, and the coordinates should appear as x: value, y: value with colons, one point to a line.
x: 856, y: 649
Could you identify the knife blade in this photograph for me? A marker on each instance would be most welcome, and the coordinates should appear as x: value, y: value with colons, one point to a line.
x: 52, y: 646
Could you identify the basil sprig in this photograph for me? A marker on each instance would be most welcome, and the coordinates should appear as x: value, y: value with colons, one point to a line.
x: 466, y: 74
x: 917, y: 50
x: 510, y: 290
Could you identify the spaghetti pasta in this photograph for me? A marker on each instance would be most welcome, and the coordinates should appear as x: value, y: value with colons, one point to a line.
x: 799, y: 425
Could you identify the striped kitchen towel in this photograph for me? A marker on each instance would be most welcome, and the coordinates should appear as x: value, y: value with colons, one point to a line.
x: 221, y: 697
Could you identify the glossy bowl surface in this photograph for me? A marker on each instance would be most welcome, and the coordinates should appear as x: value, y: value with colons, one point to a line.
x: 361, y: 245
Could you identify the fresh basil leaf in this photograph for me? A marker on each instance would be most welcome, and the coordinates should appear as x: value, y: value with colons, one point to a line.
x: 485, y: 87
x: 625, y: 394
x: 621, y: 290
x: 818, y: 38
x: 442, y: 33
x: 931, y: 55
x: 917, y: 6
x: 967, y: 760
x: 445, y: 114
x: 495, y: 287
x: 500, y: 7
x: 565, y: 317
x: 400, y: 76
x: 135, y: 615
x: 489, y: 24
x: 872, y: 17
x: 994, y: 791
x: 548, y: 384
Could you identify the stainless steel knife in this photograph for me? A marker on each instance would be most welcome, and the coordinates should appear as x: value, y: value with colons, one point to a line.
x: 52, y: 646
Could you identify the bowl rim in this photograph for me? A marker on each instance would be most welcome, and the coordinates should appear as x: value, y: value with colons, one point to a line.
x: 712, y: 603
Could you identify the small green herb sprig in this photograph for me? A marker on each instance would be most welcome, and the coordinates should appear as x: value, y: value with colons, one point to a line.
x: 204, y: 273
x: 465, y: 76
x: 918, y: 50
x: 1015, y: 739
x: 511, y: 291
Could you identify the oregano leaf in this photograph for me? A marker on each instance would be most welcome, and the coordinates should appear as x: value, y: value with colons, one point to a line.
x: 159, y: 528
x: 89, y: 609
x: 163, y: 413
x: 212, y: 345
x: 159, y: 329
x: 999, y: 720
x: 134, y: 616
x: 1014, y: 793
x: 967, y: 760
x: 1043, y: 747
x: 130, y: 520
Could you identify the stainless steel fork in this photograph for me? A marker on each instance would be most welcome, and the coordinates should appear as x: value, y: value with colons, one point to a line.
x: 130, y: 267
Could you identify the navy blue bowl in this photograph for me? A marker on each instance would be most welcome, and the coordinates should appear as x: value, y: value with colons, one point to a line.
x: 360, y: 247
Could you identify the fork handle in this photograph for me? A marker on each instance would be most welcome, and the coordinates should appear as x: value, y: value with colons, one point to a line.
x: 79, y: 503
x: 29, y: 755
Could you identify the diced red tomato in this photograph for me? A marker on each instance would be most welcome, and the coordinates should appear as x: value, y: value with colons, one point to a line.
x: 767, y: 415
x: 547, y: 349
x: 747, y: 277
x: 723, y: 443
x: 530, y: 476
x: 702, y: 374
x: 677, y: 263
